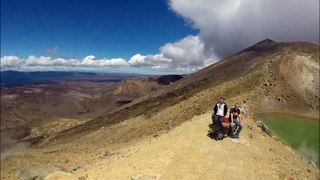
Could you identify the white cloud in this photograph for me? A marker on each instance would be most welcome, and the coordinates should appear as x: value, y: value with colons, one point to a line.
x: 115, y: 62
x: 138, y: 60
x: 48, y: 63
x: 10, y: 62
x: 93, y: 61
x: 185, y: 55
x: 160, y: 62
x: 231, y: 25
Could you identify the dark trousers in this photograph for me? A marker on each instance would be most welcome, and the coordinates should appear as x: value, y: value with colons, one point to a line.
x: 217, y: 121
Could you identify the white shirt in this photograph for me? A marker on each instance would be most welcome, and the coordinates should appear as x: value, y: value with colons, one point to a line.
x: 220, y: 110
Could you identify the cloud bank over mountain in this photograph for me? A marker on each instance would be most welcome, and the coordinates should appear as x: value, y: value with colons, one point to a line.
x: 225, y: 27
x: 231, y: 25
x: 185, y: 55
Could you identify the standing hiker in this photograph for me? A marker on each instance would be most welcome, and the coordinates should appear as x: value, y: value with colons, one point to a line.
x: 219, y: 112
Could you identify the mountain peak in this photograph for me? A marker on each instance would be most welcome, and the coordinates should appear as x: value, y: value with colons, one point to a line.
x: 266, y: 42
x: 262, y: 45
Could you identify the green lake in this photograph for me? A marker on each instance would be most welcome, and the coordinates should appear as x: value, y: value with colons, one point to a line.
x: 300, y: 132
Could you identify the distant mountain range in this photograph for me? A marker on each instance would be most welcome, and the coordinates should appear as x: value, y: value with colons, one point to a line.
x: 19, y: 78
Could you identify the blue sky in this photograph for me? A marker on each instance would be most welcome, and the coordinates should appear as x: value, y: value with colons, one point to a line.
x: 78, y: 28
x: 146, y: 36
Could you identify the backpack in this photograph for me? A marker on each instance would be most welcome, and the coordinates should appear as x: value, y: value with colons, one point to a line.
x: 215, y: 133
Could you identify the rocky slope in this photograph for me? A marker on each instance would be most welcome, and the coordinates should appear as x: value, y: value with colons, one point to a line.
x: 253, y: 75
x: 137, y: 87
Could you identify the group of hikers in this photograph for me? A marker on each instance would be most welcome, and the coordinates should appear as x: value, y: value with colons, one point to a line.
x: 223, y: 126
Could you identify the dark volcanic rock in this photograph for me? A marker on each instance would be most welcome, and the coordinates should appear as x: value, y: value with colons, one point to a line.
x: 168, y: 79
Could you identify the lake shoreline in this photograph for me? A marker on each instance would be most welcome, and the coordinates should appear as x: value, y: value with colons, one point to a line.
x: 298, y: 131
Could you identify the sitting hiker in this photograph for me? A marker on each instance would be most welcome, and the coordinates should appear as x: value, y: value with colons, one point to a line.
x: 219, y: 113
x: 235, y: 118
